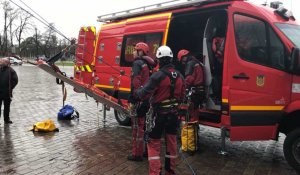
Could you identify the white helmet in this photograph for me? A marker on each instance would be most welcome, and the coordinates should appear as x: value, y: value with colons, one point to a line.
x: 164, y: 51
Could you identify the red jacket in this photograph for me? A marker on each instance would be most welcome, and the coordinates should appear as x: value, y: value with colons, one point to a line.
x: 194, y: 73
x: 141, y: 72
x: 158, y: 86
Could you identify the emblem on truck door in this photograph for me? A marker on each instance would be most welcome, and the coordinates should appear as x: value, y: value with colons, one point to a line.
x: 260, y: 80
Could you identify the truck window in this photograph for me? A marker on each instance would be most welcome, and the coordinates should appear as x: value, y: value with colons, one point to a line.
x: 153, y: 40
x: 257, y: 42
x: 250, y: 37
x: 291, y: 31
x: 277, y: 51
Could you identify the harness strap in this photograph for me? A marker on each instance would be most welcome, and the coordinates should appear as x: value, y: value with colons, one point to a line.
x: 173, y: 77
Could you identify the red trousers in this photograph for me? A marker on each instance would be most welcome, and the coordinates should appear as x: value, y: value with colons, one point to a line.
x: 138, y: 136
x: 167, y: 123
x: 154, y: 146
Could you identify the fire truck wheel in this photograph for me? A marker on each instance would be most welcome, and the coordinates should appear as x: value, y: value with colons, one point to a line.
x: 291, y: 149
x: 122, y: 119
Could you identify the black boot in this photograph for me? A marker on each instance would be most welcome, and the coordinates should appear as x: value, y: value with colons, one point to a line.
x: 8, y: 122
x: 135, y: 158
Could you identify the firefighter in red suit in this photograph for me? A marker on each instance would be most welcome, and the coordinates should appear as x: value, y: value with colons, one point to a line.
x: 165, y: 89
x: 194, y: 79
x: 140, y: 74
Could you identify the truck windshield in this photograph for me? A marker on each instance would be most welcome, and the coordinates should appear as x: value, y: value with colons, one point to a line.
x: 291, y: 31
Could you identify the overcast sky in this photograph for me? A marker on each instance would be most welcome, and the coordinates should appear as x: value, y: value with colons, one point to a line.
x: 69, y: 15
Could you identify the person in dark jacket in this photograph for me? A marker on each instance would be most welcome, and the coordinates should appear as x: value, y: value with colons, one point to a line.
x: 165, y: 89
x: 141, y: 68
x: 8, y: 81
x: 194, y: 80
x: 217, y: 68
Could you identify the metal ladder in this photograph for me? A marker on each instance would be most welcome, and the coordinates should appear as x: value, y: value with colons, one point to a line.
x: 82, y: 47
x: 169, y: 5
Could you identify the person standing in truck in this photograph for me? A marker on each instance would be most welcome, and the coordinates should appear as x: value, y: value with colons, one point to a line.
x: 165, y: 89
x: 141, y: 68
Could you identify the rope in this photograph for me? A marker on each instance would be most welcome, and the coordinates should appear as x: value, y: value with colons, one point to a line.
x: 46, y: 23
x: 64, y: 92
x: 185, y: 161
x: 179, y: 146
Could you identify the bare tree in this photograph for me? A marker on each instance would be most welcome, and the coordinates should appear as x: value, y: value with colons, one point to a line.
x: 24, y: 24
x: 9, y: 16
x: 50, y: 40
x: 13, y: 14
x: 37, y: 39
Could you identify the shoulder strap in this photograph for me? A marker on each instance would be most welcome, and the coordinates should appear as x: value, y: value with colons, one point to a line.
x: 201, y: 65
x: 172, y: 76
x: 148, y: 65
x: 145, y: 62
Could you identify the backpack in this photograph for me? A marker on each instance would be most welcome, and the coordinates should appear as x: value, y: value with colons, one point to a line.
x: 189, y: 137
x: 67, y: 112
x: 44, y: 126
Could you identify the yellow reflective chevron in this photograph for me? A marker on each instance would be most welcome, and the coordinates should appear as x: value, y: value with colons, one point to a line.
x: 82, y: 68
x: 76, y: 68
x: 85, y: 29
x: 88, y: 68
x: 93, y: 29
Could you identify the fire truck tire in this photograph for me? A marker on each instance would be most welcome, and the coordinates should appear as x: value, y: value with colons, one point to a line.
x: 291, y: 149
x: 122, y: 119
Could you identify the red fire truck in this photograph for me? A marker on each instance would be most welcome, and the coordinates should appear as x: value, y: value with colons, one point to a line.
x: 252, y: 93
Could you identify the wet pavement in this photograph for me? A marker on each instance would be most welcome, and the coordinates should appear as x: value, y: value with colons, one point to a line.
x: 88, y: 146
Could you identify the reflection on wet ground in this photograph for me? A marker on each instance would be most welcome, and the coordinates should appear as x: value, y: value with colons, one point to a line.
x: 87, y: 146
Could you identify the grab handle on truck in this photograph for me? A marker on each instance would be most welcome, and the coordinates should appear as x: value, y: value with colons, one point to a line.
x: 241, y: 76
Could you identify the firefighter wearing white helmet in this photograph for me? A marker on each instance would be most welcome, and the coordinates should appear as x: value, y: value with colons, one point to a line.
x: 166, y: 89
x: 164, y: 51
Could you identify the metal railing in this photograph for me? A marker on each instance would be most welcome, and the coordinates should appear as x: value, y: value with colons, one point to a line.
x: 169, y: 5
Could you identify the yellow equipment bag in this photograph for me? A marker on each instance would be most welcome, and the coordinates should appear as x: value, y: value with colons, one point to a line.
x: 189, y: 137
x: 44, y: 126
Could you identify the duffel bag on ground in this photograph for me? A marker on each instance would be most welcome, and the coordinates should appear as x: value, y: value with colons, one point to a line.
x: 68, y: 112
x: 189, y: 137
x: 44, y: 126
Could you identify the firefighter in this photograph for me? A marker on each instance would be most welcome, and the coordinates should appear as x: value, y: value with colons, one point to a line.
x: 141, y: 68
x: 194, y: 79
x: 218, y: 50
x: 165, y: 90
